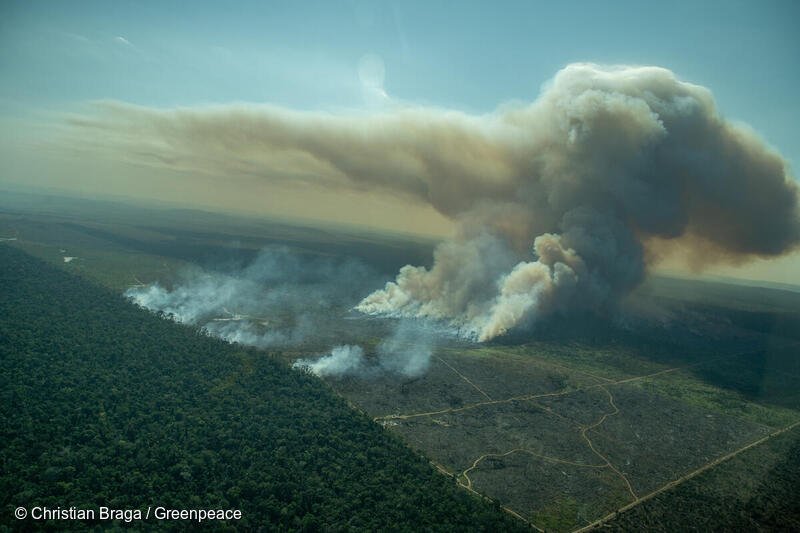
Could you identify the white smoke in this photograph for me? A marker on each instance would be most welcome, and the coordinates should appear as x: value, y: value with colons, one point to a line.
x: 201, y: 296
x: 280, y: 299
x: 285, y: 299
x: 406, y: 352
x: 342, y: 360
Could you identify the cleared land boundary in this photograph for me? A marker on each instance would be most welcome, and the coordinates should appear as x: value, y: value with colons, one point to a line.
x: 637, y: 500
x: 672, y: 484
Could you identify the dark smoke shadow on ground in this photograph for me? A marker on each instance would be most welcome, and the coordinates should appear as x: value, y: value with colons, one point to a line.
x: 754, y: 354
x: 763, y: 368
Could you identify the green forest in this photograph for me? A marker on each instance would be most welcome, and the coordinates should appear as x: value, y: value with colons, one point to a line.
x: 104, y: 403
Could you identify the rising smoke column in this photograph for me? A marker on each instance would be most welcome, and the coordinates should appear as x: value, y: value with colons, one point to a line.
x: 558, y: 202
x: 606, y: 160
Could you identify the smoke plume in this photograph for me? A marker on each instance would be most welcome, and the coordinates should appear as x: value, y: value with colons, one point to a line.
x: 341, y: 361
x: 558, y: 202
x: 282, y: 298
x: 286, y: 299
x: 406, y: 351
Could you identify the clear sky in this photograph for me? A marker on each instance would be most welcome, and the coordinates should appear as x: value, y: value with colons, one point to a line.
x: 465, y: 55
x: 471, y: 56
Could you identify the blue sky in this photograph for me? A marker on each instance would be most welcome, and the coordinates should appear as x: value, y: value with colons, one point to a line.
x: 471, y: 56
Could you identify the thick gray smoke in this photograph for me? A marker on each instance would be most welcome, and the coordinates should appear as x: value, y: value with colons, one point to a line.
x: 604, y: 161
x: 559, y: 202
